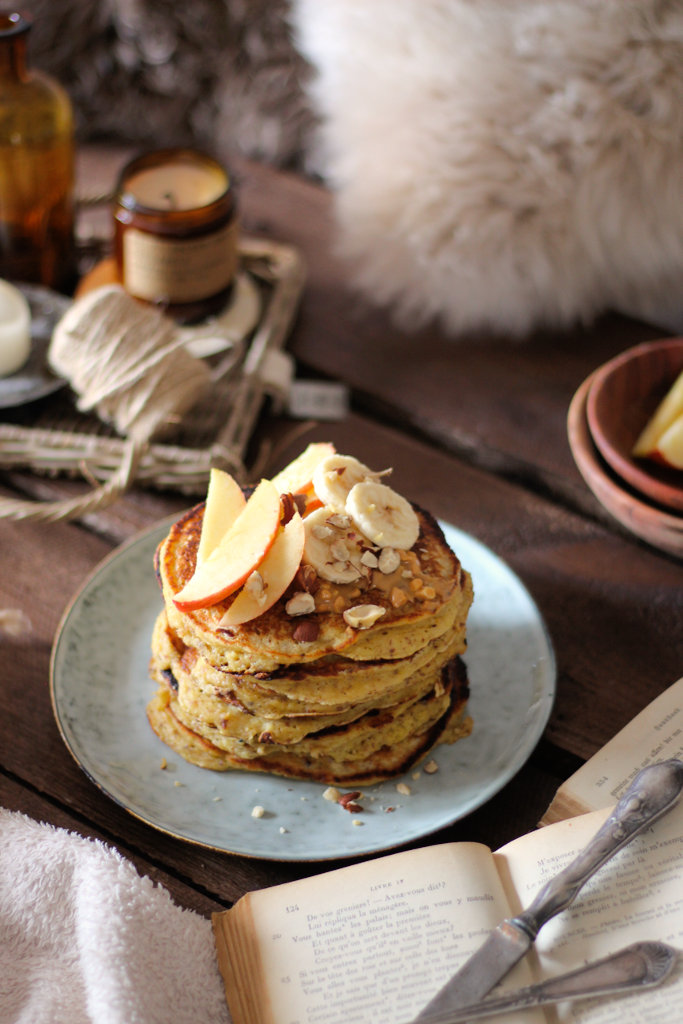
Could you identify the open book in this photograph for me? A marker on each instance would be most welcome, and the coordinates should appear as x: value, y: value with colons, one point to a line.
x: 656, y: 734
x: 372, y: 943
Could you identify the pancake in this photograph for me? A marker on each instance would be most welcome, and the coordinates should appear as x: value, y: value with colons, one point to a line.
x: 350, y: 668
x: 268, y: 641
x: 201, y: 704
x: 325, y: 687
x: 402, y: 744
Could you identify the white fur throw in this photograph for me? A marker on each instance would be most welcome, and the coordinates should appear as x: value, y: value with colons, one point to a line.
x: 504, y: 164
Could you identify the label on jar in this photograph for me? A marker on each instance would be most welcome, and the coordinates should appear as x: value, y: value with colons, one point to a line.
x: 177, y: 270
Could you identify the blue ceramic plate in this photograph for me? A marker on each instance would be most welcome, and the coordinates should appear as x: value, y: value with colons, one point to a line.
x: 100, y: 686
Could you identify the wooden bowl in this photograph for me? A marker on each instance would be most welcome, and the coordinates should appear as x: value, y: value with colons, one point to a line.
x: 661, y: 529
x: 624, y: 394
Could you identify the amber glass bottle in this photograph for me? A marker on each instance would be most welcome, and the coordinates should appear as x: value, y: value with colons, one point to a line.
x: 36, y: 167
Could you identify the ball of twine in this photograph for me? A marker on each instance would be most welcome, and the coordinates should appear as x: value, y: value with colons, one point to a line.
x: 127, y: 363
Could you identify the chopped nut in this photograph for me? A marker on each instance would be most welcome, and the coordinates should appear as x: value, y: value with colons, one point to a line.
x: 287, y: 508
x: 370, y: 559
x: 339, y: 604
x: 256, y: 587
x: 308, y: 578
x: 306, y: 631
x: 283, y: 830
x: 403, y: 789
x: 300, y: 502
x: 398, y: 597
x: 415, y: 584
x: 339, y: 520
x: 357, y: 822
x: 431, y: 767
x: 339, y: 551
x: 332, y: 794
x: 164, y: 764
x: 348, y: 802
x: 301, y: 603
x: 346, y: 567
x: 321, y: 532
x: 257, y: 811
x: 407, y: 574
x: 426, y: 594
x: 389, y: 560
x: 389, y: 810
x: 362, y: 616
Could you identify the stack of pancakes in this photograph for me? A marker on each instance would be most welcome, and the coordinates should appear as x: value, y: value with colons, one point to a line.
x: 310, y: 696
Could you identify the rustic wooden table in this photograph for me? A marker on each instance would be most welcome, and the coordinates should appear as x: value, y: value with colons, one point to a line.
x: 476, y: 431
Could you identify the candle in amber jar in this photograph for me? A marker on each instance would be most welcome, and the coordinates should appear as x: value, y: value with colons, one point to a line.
x: 176, y: 232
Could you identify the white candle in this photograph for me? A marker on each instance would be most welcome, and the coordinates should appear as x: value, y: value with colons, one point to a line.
x: 177, y: 185
x: 15, y: 329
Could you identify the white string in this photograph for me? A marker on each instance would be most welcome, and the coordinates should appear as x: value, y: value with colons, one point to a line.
x: 127, y: 363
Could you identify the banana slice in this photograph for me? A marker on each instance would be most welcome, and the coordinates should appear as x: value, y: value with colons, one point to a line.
x: 334, y: 477
x: 384, y: 516
x: 332, y: 546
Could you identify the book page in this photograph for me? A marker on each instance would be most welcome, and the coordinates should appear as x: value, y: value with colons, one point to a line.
x: 373, y: 942
x: 656, y: 734
x: 636, y: 896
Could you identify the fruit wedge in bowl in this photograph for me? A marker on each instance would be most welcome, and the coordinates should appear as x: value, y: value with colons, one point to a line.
x: 632, y: 408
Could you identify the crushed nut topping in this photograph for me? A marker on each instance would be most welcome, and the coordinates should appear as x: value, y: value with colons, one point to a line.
x: 332, y: 794
x: 431, y: 767
x: 403, y: 789
x: 288, y: 507
x: 398, y: 597
x: 389, y: 560
x: 308, y: 578
x: 348, y: 801
x: 301, y: 603
x: 339, y: 520
x: 321, y: 532
x: 306, y: 631
x: 370, y: 559
x: 300, y: 501
x: 362, y: 616
x: 339, y: 551
x: 256, y: 587
x: 258, y: 811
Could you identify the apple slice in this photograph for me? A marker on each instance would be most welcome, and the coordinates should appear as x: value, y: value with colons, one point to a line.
x: 238, y: 553
x: 669, y: 448
x: 224, y: 502
x: 670, y: 407
x: 297, y: 477
x: 271, y: 578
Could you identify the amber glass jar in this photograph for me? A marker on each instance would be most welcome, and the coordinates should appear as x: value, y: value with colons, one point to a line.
x: 36, y: 167
x: 175, y: 232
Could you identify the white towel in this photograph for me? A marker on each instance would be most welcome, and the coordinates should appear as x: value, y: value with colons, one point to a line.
x: 84, y: 939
